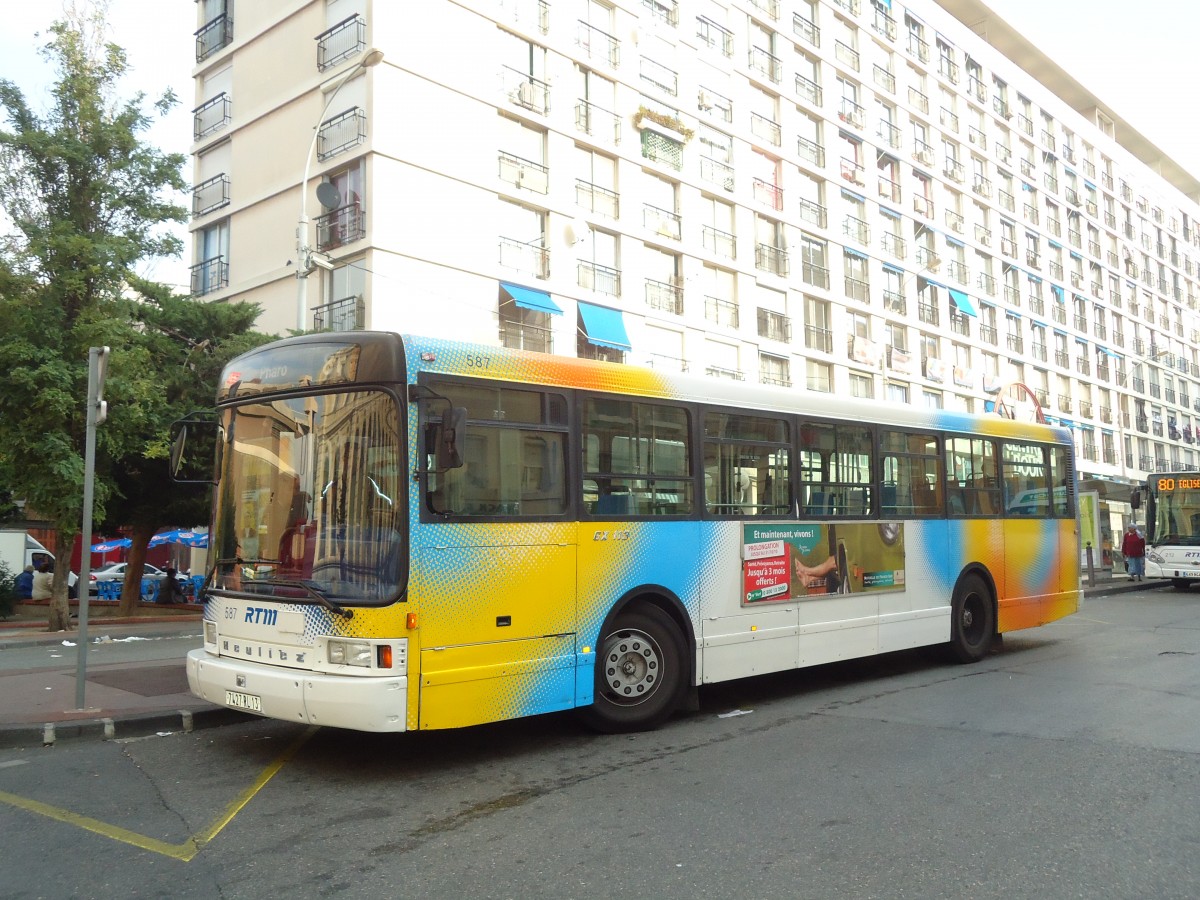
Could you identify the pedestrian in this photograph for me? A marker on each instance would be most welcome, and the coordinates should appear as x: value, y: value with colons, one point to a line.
x: 43, y: 583
x: 1133, y: 548
x: 25, y: 584
x: 168, y: 587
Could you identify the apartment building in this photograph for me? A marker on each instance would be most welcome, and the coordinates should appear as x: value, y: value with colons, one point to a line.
x: 853, y: 196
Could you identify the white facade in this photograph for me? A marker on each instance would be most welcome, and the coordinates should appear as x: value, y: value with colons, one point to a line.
x: 865, y: 199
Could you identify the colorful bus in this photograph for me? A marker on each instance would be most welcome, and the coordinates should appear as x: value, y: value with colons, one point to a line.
x: 1172, y: 501
x: 419, y: 534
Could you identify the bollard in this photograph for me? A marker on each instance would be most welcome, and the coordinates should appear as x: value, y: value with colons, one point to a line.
x: 1091, y: 565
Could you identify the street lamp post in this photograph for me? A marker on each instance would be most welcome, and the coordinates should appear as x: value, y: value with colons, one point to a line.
x: 304, y: 253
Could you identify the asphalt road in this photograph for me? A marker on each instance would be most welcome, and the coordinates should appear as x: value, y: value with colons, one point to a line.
x: 1064, y: 765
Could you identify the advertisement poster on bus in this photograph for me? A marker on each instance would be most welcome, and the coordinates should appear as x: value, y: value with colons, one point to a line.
x: 790, y: 561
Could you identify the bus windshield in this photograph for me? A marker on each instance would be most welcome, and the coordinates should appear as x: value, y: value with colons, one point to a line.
x: 311, y: 498
x: 1175, y: 513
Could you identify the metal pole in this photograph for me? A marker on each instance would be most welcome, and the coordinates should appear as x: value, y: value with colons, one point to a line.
x: 96, y: 357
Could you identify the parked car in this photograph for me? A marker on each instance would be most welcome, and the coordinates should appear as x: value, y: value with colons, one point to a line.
x: 116, y: 572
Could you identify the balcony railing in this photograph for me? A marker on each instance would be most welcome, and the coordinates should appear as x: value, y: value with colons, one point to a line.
x: 523, y: 336
x: 215, y: 35
x: 719, y: 242
x: 846, y: 54
x: 770, y: 194
x: 597, y: 44
x: 211, y: 116
x: 524, y: 173
x: 662, y: 222
x: 210, y: 275
x: 721, y: 312
x: 817, y: 338
x: 811, y: 151
x: 341, y: 41
x: 716, y: 172
x: 346, y: 314
x: 815, y: 275
x: 857, y: 289
x: 211, y: 194
x: 529, y: 257
x: 601, y: 279
x: 598, y: 122
x: 809, y: 90
x: 597, y: 199
x: 770, y: 258
x: 767, y: 129
x: 856, y: 229
x: 664, y: 296
x: 774, y: 326
x: 766, y: 63
x: 928, y: 313
x: 894, y: 244
x: 813, y: 213
x: 806, y: 30
x: 341, y: 226
x: 341, y: 132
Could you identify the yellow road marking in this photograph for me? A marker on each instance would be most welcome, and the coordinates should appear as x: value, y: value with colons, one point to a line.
x: 186, y: 851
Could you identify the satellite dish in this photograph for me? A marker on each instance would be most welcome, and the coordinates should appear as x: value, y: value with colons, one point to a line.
x: 576, y: 232
x: 330, y: 196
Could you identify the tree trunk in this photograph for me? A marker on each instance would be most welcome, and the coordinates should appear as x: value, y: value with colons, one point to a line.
x: 60, y: 607
x: 131, y: 590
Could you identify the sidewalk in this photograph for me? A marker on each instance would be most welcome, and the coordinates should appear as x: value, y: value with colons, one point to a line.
x: 124, y: 700
x: 143, y: 698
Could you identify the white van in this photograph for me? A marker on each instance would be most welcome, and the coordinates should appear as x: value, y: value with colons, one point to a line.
x: 18, y: 550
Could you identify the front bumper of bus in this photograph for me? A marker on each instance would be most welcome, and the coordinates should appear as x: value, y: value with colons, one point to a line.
x: 295, y: 695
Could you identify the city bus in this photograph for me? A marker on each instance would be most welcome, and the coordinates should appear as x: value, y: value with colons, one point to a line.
x: 1172, y: 504
x: 422, y: 534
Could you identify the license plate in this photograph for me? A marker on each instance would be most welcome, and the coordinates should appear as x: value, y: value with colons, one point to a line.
x: 243, y: 701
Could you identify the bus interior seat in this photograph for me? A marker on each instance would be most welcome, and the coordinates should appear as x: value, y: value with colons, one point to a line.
x: 819, y: 504
x: 957, y: 506
x: 616, y: 504
x: 924, y: 499
x: 888, y: 498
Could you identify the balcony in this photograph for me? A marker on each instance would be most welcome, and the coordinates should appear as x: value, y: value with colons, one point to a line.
x: 717, y: 173
x: 346, y: 314
x: 769, y: 258
x: 664, y: 296
x: 884, y: 78
x: 598, y: 122
x: 211, y: 116
x: 806, y: 30
x: 721, y: 372
x: 524, y: 173
x: 774, y: 326
x: 954, y: 170
x: 983, y: 235
x: 948, y: 119
x: 341, y: 226
x: 531, y: 257
x: 959, y: 271
x: 982, y: 186
x: 988, y: 334
x: 928, y: 313
x: 894, y: 301
x: 341, y: 132
x: 986, y: 283
x: 856, y: 229
x: 340, y: 42
x: 662, y: 149
x: 767, y: 193
x: 813, y: 213
x: 809, y: 90
x: 955, y: 222
x: 1015, y: 343
x: 210, y: 275
x: 815, y: 275
x: 667, y: 11
x: 659, y: 76
x: 918, y: 47
x: 522, y: 336
x: 770, y: 7
x: 853, y: 172
x: 721, y: 312
x: 811, y: 151
x: 601, y: 279
x: 857, y: 289
x: 846, y: 55
x: 960, y: 324
x: 889, y: 190
x: 767, y: 129
x: 816, y: 338
x: 851, y: 113
x: 923, y: 206
x: 894, y: 244
x: 766, y: 64
x: 596, y: 199
x: 889, y: 134
x: 216, y: 34
x: 922, y: 153
x: 662, y: 222
x: 1037, y: 305
x: 211, y: 194
x: 1007, y: 201
x: 719, y: 242
x: 948, y: 69
x: 597, y: 44
x: 1038, y: 351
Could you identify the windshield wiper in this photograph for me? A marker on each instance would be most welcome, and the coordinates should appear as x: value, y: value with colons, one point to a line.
x: 313, y: 591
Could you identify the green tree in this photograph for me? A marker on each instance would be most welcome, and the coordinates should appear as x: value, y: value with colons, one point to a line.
x: 88, y: 200
x: 187, y: 343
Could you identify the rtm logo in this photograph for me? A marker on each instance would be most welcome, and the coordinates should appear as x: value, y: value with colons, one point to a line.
x: 258, y: 615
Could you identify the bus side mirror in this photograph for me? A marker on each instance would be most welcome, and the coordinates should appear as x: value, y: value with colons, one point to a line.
x: 1135, y: 499
x: 193, y: 450
x: 449, y: 439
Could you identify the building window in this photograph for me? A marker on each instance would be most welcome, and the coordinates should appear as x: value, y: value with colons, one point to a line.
x: 819, y: 377
x: 522, y: 328
x: 345, y: 221
x: 862, y: 386
x: 346, y: 309
x: 211, y: 271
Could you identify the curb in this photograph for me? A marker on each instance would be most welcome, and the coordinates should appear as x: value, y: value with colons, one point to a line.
x: 45, y: 639
x: 118, y: 728
x: 1125, y: 587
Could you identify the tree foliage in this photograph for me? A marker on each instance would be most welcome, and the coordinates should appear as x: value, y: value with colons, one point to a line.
x: 88, y: 201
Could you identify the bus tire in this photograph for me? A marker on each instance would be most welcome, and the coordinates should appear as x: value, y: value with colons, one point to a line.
x: 639, y: 673
x: 1180, y: 584
x: 972, y: 620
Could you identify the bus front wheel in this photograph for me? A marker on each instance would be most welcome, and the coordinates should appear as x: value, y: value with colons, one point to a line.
x: 639, y: 673
x: 973, y: 620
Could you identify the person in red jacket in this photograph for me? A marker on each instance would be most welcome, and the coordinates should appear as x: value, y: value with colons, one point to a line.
x: 1133, y: 548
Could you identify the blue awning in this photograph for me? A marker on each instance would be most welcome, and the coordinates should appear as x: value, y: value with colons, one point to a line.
x: 1058, y: 292
x: 888, y: 267
x: 963, y: 302
x: 528, y: 298
x: 1037, y: 323
x: 1012, y: 315
x: 853, y: 196
x: 953, y: 242
x: 890, y: 212
x: 852, y: 252
x: 604, y: 327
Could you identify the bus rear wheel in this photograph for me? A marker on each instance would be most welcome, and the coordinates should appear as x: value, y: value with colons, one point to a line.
x: 639, y: 673
x: 972, y: 620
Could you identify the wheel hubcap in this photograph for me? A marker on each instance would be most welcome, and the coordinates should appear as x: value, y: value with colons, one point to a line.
x: 632, y: 663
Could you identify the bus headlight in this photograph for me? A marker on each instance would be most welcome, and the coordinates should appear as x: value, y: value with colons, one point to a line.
x: 1155, y: 557
x: 348, y: 653
x: 210, y: 632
